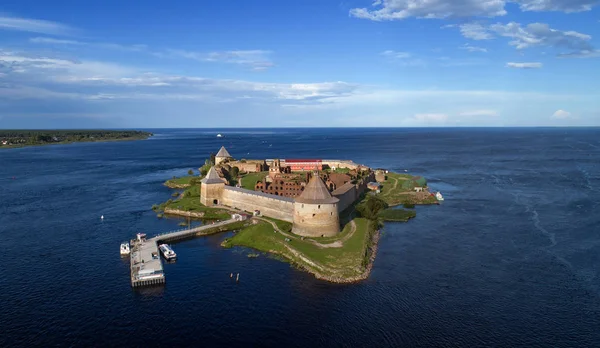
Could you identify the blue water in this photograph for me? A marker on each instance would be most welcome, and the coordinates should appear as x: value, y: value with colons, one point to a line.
x: 511, y: 258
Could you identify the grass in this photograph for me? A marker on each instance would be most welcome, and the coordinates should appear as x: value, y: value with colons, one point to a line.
x: 190, y: 201
x: 180, y: 181
x: 344, y: 262
x: 249, y: 180
x: 282, y: 225
x: 394, y: 194
x: 397, y: 215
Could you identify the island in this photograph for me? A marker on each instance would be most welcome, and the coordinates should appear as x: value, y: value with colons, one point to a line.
x: 22, y: 138
x: 322, y: 216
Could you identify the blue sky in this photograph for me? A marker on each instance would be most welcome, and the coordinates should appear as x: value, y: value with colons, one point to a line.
x: 273, y: 63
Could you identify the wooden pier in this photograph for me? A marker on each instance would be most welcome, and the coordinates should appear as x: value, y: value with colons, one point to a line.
x: 145, y: 259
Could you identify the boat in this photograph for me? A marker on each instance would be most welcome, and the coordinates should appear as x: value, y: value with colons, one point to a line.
x: 439, y: 196
x: 167, y: 252
x: 125, y: 248
x: 219, y: 135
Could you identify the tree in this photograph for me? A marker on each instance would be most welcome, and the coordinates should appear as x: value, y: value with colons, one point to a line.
x: 371, y: 208
x: 190, y: 172
x: 235, y: 172
x: 213, y: 159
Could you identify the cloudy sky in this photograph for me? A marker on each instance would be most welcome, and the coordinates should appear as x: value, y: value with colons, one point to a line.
x: 274, y: 63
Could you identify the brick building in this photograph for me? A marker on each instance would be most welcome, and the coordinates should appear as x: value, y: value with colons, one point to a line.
x: 298, y: 165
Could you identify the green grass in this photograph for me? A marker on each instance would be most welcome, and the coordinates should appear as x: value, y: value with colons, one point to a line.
x: 282, y: 225
x: 393, y: 193
x: 180, y: 181
x: 249, y: 180
x: 191, y: 202
x: 347, y: 261
x: 397, y: 215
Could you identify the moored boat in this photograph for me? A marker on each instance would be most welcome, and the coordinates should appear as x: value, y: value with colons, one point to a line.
x: 167, y: 252
x: 125, y: 248
x: 439, y: 196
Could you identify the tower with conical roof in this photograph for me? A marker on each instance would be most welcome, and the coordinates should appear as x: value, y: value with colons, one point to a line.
x: 222, y: 155
x: 316, y: 211
x: 211, y: 188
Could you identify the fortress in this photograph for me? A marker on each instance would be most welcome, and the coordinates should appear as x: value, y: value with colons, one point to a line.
x: 314, y: 212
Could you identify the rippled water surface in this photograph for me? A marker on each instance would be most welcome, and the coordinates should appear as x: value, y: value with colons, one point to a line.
x: 511, y: 258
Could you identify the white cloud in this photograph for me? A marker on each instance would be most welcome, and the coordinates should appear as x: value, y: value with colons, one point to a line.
x: 475, y: 31
x: 49, y: 40
x: 102, y: 45
x: 557, y: 5
x: 524, y: 65
x: 400, y: 9
x: 479, y: 113
x: 384, y: 10
x: 99, y: 75
x: 532, y: 35
x: 34, y: 25
x: 403, y: 58
x: 581, y: 54
x: 254, y: 59
x: 562, y: 115
x: 540, y: 34
x: 473, y: 48
x: 397, y: 55
x: 431, y: 118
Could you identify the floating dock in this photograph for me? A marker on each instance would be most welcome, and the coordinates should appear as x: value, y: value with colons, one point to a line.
x: 145, y: 262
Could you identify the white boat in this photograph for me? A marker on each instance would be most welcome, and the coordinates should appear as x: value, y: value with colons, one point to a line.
x: 167, y: 252
x: 125, y: 248
x: 439, y: 196
x: 219, y: 135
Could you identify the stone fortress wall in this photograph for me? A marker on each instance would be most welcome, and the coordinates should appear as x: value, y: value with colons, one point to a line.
x: 277, y: 207
x: 317, y: 216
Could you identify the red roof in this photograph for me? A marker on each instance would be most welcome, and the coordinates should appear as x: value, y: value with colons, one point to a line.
x: 303, y: 160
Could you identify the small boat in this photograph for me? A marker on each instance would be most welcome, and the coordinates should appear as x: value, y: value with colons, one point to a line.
x: 125, y: 248
x: 439, y: 196
x: 167, y: 252
x: 219, y: 135
x: 102, y: 217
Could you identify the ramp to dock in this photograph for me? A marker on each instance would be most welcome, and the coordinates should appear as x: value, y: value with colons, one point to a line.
x: 145, y: 262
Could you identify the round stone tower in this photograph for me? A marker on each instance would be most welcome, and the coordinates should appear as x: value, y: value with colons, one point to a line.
x: 211, y: 188
x: 316, y: 211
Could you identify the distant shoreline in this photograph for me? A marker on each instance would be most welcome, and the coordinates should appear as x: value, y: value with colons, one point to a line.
x: 15, y: 139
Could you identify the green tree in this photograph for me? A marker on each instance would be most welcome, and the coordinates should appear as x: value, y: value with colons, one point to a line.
x: 371, y: 207
x: 190, y: 172
x: 235, y: 172
x: 213, y: 159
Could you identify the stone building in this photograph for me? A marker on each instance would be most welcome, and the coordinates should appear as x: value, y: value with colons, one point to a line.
x: 250, y: 166
x: 276, y: 169
x: 222, y: 155
x: 335, y: 180
x: 280, y: 187
x: 316, y: 211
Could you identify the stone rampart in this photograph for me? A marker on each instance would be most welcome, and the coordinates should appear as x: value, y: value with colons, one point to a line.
x: 281, y: 208
x: 340, y: 164
x: 346, y: 194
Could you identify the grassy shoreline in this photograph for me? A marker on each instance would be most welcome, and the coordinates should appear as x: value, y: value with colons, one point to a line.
x: 345, y: 258
x: 28, y: 138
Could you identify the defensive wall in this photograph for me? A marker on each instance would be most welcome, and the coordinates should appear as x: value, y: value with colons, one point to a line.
x: 340, y: 163
x: 349, y: 192
x: 277, y: 207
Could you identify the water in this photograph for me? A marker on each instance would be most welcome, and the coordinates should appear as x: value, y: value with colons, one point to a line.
x: 511, y: 258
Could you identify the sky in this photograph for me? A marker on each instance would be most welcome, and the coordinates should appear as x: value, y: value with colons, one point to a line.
x: 299, y: 63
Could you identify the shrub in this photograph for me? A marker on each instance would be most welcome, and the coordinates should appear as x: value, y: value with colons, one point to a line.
x: 190, y: 172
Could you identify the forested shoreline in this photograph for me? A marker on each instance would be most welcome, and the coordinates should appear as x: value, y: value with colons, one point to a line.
x: 21, y: 138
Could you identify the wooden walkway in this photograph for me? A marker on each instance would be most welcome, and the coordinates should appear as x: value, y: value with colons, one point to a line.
x: 145, y: 260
